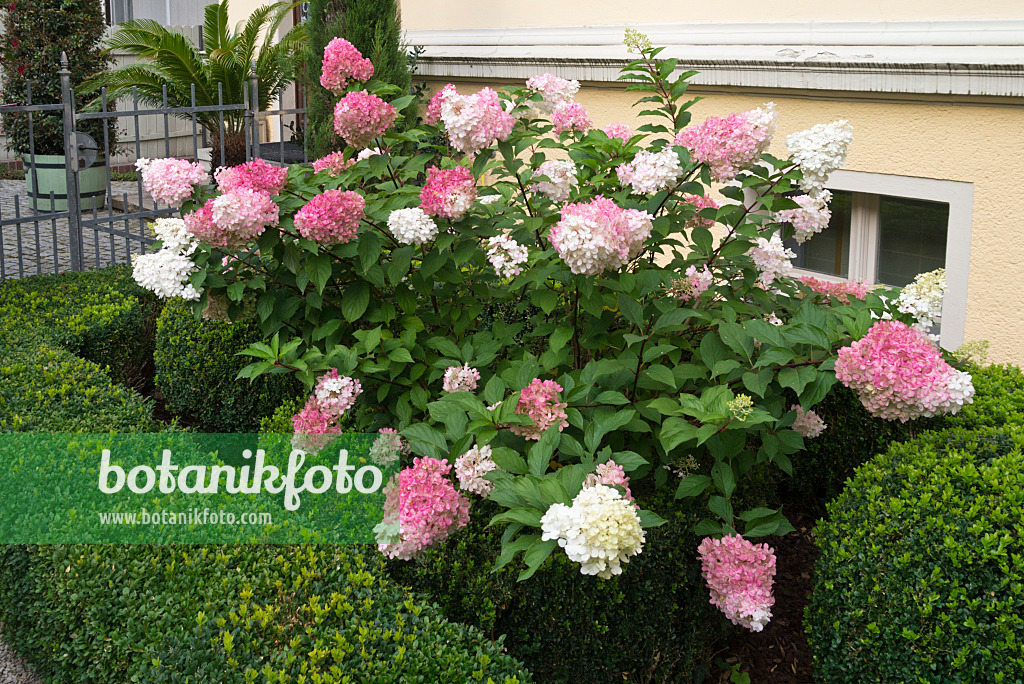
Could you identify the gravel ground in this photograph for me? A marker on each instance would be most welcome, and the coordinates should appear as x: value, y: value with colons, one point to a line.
x: 14, y: 669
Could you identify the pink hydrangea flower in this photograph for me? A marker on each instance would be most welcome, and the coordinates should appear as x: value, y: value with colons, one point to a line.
x: 841, y: 291
x: 170, y: 181
x: 808, y: 424
x: 342, y: 61
x: 255, y: 175
x: 539, y: 401
x: 693, y: 285
x: 609, y: 473
x: 731, y: 144
x: 740, y: 576
x: 561, y: 179
x: 506, y: 255
x: 811, y: 218
x: 359, y: 117
x: 898, y: 373
x: 433, y: 114
x: 336, y: 394
x: 554, y: 90
x: 233, y: 219
x: 571, y: 116
x: 474, y: 122
x: 424, y: 506
x: 596, y: 236
x: 448, y: 192
x: 334, y: 163
x: 314, y: 427
x: 471, y: 467
x: 461, y: 379
x: 772, y: 259
x: 331, y: 218
x: 619, y: 131
x: 701, y: 202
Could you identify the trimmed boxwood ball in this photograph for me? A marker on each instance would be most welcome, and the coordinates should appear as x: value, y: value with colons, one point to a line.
x: 652, y: 623
x: 921, y: 573
x: 197, y: 365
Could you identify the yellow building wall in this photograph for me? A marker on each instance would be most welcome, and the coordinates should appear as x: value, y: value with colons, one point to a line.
x: 461, y: 14
x: 975, y: 144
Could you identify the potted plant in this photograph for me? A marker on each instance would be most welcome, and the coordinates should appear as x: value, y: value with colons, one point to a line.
x: 169, y: 58
x: 35, y: 33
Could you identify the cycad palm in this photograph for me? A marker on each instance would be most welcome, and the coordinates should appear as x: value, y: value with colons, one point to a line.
x: 171, y: 59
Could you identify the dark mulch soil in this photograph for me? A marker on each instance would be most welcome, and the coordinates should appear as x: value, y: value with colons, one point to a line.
x: 779, y: 654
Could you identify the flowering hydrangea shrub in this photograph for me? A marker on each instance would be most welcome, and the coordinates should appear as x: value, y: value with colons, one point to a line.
x: 421, y: 508
x: 576, y: 308
x: 343, y: 62
x: 171, y: 181
x: 255, y: 175
x: 740, y: 576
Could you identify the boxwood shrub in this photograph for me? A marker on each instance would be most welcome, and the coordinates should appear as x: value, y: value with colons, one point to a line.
x: 921, y: 573
x: 231, y: 614
x: 197, y: 368
x: 653, y: 623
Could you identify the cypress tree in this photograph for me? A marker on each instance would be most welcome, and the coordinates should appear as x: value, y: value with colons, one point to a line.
x: 374, y: 27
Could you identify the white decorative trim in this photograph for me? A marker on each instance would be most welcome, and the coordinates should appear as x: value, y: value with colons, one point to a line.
x: 939, y: 57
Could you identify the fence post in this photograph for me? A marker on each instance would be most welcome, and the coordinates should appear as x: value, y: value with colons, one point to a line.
x: 67, y: 98
x: 254, y: 100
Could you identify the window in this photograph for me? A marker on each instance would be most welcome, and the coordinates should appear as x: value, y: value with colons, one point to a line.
x: 119, y: 11
x: 887, y: 229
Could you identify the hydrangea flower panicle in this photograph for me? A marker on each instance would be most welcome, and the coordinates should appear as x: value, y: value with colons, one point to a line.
x: 471, y: 467
x: 650, y: 172
x: 811, y: 218
x: 539, y: 401
x: 808, y: 424
x: 255, y: 175
x: 818, y: 152
x: 359, y: 117
x: 561, y: 179
x: 740, y: 576
x: 343, y: 62
x: 728, y: 145
x: 412, y: 226
x: 461, y: 379
x: 506, y: 255
x: 597, y: 236
x: 571, y: 116
x: 171, y: 181
x: 332, y: 217
x: 449, y: 193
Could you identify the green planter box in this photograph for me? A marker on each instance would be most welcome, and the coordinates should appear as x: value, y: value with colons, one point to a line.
x: 51, y: 175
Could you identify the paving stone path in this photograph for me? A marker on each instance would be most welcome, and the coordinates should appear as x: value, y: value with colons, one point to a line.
x: 13, y: 668
x: 45, y: 243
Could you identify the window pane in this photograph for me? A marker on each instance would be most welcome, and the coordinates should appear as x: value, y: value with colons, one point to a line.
x: 828, y: 251
x: 911, y: 238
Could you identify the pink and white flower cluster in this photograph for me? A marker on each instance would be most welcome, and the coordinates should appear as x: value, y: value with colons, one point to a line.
x: 898, y: 373
x: 728, y: 145
x: 234, y: 219
x: 701, y: 202
x: 412, y: 226
x: 571, y: 116
x: 448, y: 192
x: 471, y: 467
x: 473, y: 122
x: 255, y: 175
x: 808, y: 424
x: 359, y: 117
x: 506, y: 255
x: 421, y: 508
x: 811, y: 218
x: 166, y: 271
x: 693, y: 285
x: 342, y: 62
x: 388, y: 447
x: 433, y: 114
x: 841, y: 291
x: 650, y: 172
x: 772, y: 259
x: 561, y: 179
x: 922, y: 299
x: 740, y: 576
x: 597, y: 236
x: 818, y: 152
x: 170, y: 181
x: 609, y: 473
x: 539, y: 402
x: 460, y: 379
x: 554, y: 91
x: 619, y: 131
x: 333, y: 163
x: 600, y: 531
x: 318, y: 421
x: 331, y: 218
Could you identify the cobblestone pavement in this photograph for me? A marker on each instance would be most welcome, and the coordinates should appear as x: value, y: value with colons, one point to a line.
x: 14, y: 669
x: 45, y: 243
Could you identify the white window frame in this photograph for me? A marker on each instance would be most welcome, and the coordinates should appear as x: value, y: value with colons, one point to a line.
x: 867, y: 188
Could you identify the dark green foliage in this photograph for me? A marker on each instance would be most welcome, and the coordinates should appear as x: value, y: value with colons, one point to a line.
x: 197, y: 367
x: 999, y: 399
x: 653, y: 623
x: 65, y: 341
x: 921, y: 573
x: 35, y: 33
x: 374, y: 27
x: 210, y: 614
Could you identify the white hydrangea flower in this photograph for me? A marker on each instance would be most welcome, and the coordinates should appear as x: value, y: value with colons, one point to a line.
x: 600, y: 531
x: 922, y: 299
x: 165, y: 273
x: 368, y: 152
x: 961, y: 391
x: 819, y: 151
x: 811, y: 218
x: 172, y: 233
x: 506, y: 255
x: 471, y: 467
x: 412, y: 226
x: 488, y: 199
x: 650, y: 172
x: 772, y: 259
x: 562, y: 179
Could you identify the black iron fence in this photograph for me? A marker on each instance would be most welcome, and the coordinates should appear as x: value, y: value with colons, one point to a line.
x: 99, y: 221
